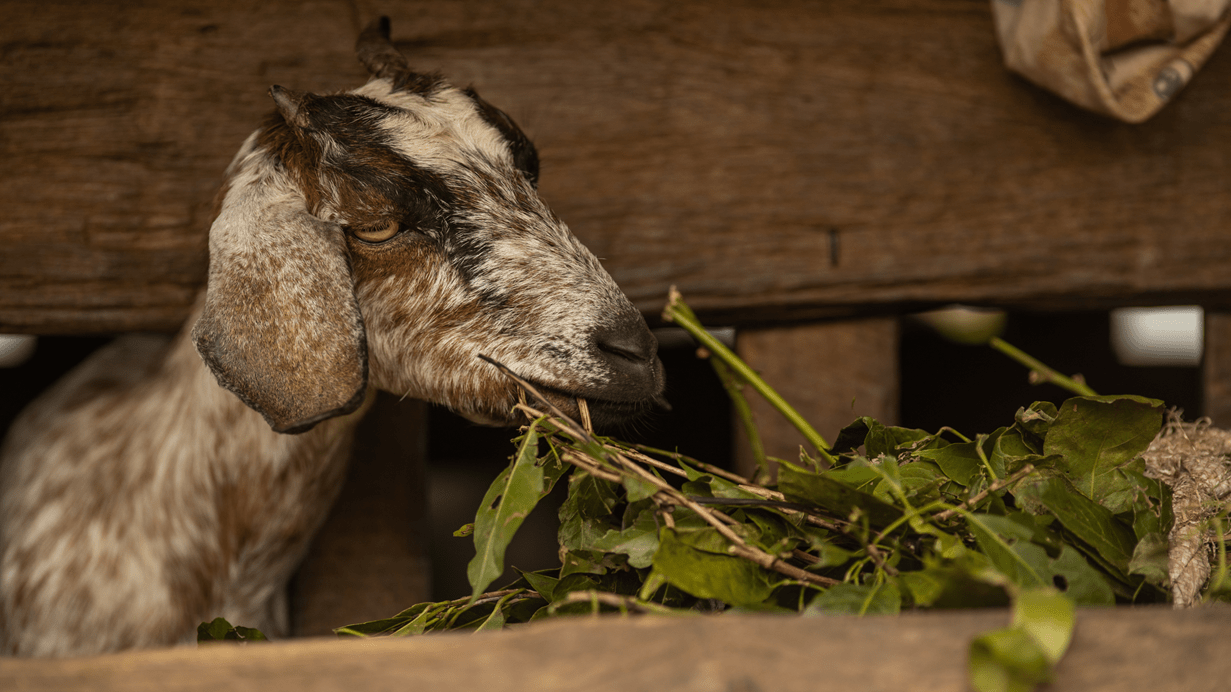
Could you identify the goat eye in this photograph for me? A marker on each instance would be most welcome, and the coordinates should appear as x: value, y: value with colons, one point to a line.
x: 379, y: 233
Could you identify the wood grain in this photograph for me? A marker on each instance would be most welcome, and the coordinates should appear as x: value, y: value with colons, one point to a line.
x: 776, y: 160
x: 1113, y: 650
x: 1216, y: 369
x: 830, y: 372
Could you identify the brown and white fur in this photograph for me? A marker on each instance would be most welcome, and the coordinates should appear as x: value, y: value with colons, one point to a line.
x: 160, y: 485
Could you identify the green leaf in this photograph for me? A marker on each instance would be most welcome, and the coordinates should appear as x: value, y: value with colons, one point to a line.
x: 1083, y: 583
x: 1006, y: 544
x: 852, y: 436
x: 857, y: 599
x: 220, y: 630
x: 959, y: 461
x: 553, y: 466
x: 1007, y: 660
x: 1150, y: 559
x: 419, y: 623
x: 638, y: 488
x: 1037, y: 418
x: 1091, y: 522
x: 878, y: 439
x: 733, y: 580
x: 574, y: 582
x: 1152, y: 511
x: 585, y: 515
x: 706, y: 538
x: 213, y: 631
x: 581, y: 562
x: 923, y: 586
x: 718, y: 487
x: 638, y: 542
x: 827, y: 491
x: 1013, y: 450
x: 1016, y: 547
x: 1096, y: 436
x: 496, y: 619
x: 509, y: 499
x: 385, y: 625
x: 1048, y: 617
x: 921, y: 481
x: 962, y: 583
x: 830, y: 555
x: 544, y: 584
x: 250, y: 634
x: 1017, y: 658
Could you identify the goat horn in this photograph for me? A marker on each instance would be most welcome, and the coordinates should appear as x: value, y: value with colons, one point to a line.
x: 377, y: 52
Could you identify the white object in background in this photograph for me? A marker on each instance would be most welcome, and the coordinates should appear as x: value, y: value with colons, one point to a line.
x: 1170, y: 336
x: 964, y: 324
x: 15, y: 349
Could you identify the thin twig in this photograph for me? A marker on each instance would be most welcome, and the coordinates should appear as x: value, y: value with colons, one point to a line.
x: 584, y: 409
x: 879, y: 559
x: 572, y: 424
x: 813, y: 560
x: 582, y: 462
x: 811, y: 515
x: 750, y: 501
x: 1039, y: 369
x: 978, y: 497
x: 679, y: 313
x: 708, y: 468
x: 616, y: 600
x: 646, y: 459
x: 805, y: 557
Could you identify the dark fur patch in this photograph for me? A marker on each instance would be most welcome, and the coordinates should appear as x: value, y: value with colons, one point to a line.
x: 525, y: 156
x: 423, y: 83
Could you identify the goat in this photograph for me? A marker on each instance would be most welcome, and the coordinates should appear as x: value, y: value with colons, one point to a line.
x: 387, y: 235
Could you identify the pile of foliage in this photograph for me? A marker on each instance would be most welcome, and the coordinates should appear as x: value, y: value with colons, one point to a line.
x: 1051, y: 511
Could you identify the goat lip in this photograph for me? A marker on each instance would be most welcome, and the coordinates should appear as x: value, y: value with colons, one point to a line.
x: 603, y: 412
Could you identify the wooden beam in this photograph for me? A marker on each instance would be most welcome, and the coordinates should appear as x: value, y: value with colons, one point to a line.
x: 775, y: 161
x: 1216, y: 369
x: 1113, y: 649
x: 831, y: 373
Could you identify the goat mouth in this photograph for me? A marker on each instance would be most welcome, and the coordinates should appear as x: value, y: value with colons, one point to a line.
x: 603, y: 412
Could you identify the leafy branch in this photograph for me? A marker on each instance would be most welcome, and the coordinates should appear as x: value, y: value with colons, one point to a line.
x: 893, y: 518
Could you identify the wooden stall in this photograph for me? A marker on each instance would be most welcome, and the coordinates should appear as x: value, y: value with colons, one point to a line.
x: 805, y: 172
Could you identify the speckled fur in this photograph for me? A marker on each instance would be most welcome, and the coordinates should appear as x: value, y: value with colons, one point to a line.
x: 138, y: 497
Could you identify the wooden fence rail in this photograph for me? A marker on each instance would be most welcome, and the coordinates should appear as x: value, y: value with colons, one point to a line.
x: 775, y: 160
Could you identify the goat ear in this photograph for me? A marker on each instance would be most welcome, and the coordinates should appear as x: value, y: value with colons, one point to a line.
x: 377, y: 52
x: 281, y: 327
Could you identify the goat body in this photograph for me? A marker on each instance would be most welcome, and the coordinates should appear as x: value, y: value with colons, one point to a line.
x: 384, y: 236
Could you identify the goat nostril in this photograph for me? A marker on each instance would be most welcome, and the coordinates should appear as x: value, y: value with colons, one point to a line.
x: 633, y: 342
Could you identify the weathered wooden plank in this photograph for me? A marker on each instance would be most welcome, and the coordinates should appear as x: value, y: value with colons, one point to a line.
x: 1113, y: 650
x: 775, y: 160
x: 831, y: 372
x: 1216, y: 369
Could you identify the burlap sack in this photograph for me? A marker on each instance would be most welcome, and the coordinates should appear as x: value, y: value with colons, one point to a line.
x: 1122, y: 58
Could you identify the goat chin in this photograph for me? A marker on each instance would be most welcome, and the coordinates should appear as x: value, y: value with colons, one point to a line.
x: 379, y: 238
